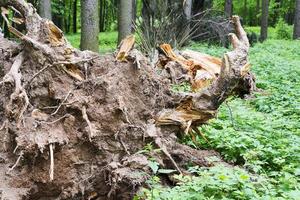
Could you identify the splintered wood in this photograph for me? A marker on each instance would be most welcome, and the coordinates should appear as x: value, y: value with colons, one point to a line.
x: 201, y: 68
x: 124, y: 48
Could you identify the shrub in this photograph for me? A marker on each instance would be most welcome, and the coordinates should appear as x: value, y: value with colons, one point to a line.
x: 283, y: 30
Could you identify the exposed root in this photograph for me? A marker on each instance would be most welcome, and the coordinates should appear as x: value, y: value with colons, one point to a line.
x: 16, y: 163
x: 57, y: 120
x: 166, y: 152
x: 51, y: 171
x: 19, y: 95
x: 92, y: 131
x: 35, y: 75
x: 65, y: 99
x: 4, y: 125
x: 119, y: 98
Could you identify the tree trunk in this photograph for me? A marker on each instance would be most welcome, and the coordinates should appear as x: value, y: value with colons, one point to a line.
x: 73, y: 124
x: 296, y: 34
x: 228, y: 8
x: 89, y: 25
x: 264, y: 20
x: 101, y: 15
x: 134, y: 14
x: 187, y: 8
x: 124, y: 19
x: 74, y: 16
x: 45, y: 9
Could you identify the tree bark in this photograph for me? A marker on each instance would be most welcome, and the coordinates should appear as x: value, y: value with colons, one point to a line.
x: 187, y: 8
x: 296, y: 34
x: 45, y: 9
x: 124, y: 19
x: 264, y: 20
x: 134, y: 14
x: 228, y: 8
x: 89, y: 25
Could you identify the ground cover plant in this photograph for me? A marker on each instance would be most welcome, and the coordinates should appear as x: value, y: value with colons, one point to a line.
x: 260, y: 135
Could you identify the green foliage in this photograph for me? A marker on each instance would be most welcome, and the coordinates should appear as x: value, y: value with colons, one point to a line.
x: 283, y: 30
x: 214, y: 183
x: 107, y: 41
x: 272, y: 32
x: 260, y: 134
x: 183, y: 87
x: 250, y: 10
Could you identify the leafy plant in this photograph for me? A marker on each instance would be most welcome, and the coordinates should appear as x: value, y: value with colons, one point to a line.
x: 283, y: 30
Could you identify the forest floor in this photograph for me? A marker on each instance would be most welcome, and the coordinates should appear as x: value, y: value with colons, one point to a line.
x: 259, y: 135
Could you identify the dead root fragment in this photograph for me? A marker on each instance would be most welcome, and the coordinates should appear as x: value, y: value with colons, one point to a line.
x: 19, y: 95
x: 16, y: 163
x: 51, y: 170
x: 92, y: 131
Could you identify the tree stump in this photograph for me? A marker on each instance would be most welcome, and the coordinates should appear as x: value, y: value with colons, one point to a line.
x: 73, y: 123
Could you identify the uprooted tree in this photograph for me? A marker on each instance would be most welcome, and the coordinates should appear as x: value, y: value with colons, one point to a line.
x: 73, y: 122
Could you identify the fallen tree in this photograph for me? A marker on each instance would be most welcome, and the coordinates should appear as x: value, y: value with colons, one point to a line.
x: 73, y: 123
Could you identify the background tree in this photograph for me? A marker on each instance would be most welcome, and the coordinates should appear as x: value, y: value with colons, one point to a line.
x: 125, y: 19
x: 45, y: 9
x: 297, y: 21
x: 187, y: 8
x: 74, y: 16
x: 89, y: 25
x: 228, y: 8
x: 264, y: 20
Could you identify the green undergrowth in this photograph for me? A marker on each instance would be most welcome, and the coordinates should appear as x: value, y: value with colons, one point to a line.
x: 260, y: 135
x: 107, y: 41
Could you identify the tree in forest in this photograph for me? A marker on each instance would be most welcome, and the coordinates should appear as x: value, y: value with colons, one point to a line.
x: 89, y: 25
x: 45, y: 9
x: 187, y: 8
x: 124, y: 19
x: 75, y: 16
x: 296, y: 34
x: 264, y: 20
x: 228, y: 8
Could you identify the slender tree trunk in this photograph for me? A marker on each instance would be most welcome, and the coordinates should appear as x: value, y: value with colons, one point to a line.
x: 45, y: 9
x: 101, y: 15
x: 124, y: 19
x: 297, y: 21
x: 75, y: 16
x: 228, y: 8
x: 134, y: 10
x: 264, y: 20
x: 187, y: 8
x: 89, y: 25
